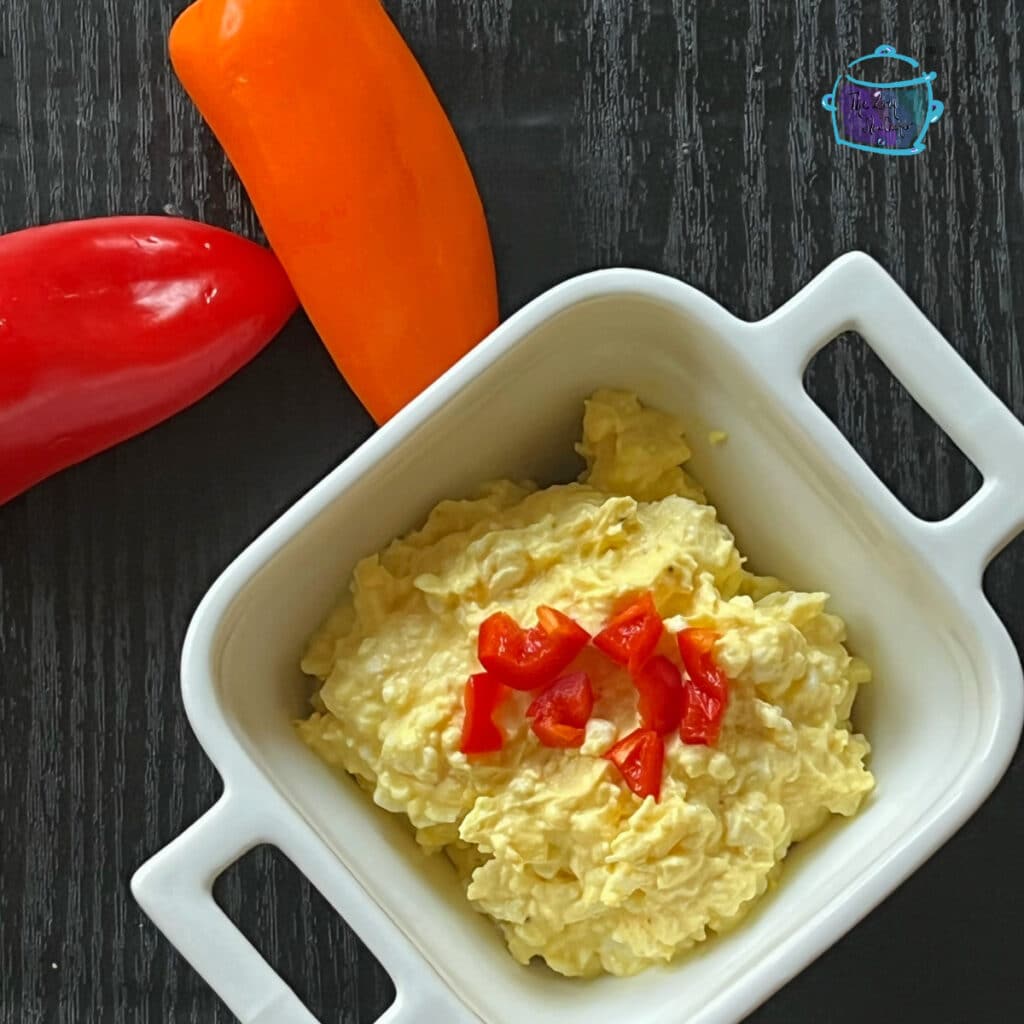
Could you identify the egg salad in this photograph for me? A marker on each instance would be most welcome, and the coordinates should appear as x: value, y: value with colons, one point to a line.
x: 571, y: 864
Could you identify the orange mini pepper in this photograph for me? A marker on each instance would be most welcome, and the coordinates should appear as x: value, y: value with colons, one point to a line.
x: 357, y: 178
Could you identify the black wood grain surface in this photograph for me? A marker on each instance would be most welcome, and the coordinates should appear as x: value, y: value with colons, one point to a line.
x: 679, y: 135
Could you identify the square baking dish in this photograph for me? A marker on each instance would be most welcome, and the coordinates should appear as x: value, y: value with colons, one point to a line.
x: 943, y: 715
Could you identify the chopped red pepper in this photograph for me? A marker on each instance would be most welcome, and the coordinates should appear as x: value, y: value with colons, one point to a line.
x: 483, y: 695
x: 702, y: 718
x: 561, y: 711
x: 660, y: 686
x: 556, y: 623
x: 707, y: 689
x: 527, y: 658
x: 640, y: 757
x: 696, y: 648
x: 630, y: 637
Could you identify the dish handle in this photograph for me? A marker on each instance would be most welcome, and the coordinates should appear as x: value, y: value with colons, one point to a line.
x: 854, y: 293
x: 175, y: 888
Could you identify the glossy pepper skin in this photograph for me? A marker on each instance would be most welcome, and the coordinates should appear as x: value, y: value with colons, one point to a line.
x: 632, y: 636
x: 560, y: 712
x: 707, y: 688
x: 482, y: 697
x: 660, y: 695
x: 640, y: 757
x: 109, y: 326
x: 526, y: 659
x: 357, y: 178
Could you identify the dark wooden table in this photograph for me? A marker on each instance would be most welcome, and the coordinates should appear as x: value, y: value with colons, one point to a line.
x: 674, y: 134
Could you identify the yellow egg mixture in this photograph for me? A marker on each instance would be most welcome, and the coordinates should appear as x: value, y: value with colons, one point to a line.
x: 551, y: 844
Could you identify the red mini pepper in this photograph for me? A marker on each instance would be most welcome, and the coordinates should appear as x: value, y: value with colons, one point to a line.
x: 109, y: 326
x: 659, y: 684
x: 707, y: 689
x: 527, y: 658
x: 640, y: 757
x: 560, y: 712
x: 482, y: 698
x: 631, y: 637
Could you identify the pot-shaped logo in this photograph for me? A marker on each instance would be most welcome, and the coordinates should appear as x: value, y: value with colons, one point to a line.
x: 883, y: 103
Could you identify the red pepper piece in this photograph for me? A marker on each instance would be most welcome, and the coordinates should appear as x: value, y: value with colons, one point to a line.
x: 558, y: 624
x: 707, y: 689
x: 696, y: 648
x: 561, y: 711
x: 482, y: 697
x: 640, y: 757
x: 556, y: 734
x: 109, y: 326
x: 527, y: 658
x: 631, y: 637
x: 702, y: 717
x: 660, y: 686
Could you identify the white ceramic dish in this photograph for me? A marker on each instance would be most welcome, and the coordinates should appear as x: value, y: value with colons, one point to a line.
x: 943, y: 716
